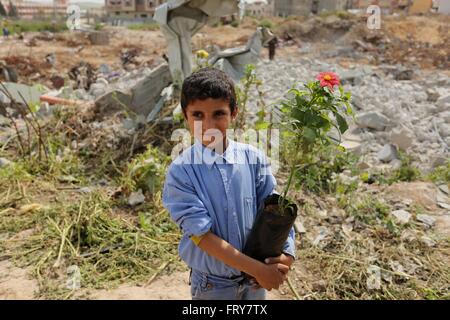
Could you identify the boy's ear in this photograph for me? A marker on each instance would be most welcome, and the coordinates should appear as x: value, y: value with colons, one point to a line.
x: 234, y: 113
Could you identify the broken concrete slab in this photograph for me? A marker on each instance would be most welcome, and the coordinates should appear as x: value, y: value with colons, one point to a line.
x: 141, y: 98
x: 426, y: 219
x: 136, y: 198
x: 372, y: 120
x: 352, y: 146
x: 353, y: 77
x: 401, y: 216
x: 4, y: 162
x: 20, y: 92
x: 388, y: 153
x: 299, y: 227
x: 403, y: 138
x: 99, y: 38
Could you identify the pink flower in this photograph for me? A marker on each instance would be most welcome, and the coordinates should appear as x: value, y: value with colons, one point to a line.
x: 328, y: 79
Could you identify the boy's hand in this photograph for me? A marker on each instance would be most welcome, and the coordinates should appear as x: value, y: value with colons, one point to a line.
x: 271, y: 276
x: 281, y: 259
x: 287, y: 260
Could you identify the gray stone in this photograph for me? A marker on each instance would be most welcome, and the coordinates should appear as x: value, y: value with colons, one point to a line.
x: 387, y: 153
x: 406, y: 74
x: 4, y: 162
x: 401, y: 216
x: 426, y: 219
x: 99, y: 38
x: 372, y: 120
x: 139, y: 97
x: 352, y: 146
x: 427, y: 241
x: 396, y: 164
x: 299, y: 227
x: 403, y: 138
x: 21, y: 92
x: 353, y: 77
x: 432, y: 95
x: 136, y: 198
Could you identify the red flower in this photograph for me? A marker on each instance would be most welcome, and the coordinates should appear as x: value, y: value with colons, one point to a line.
x: 328, y: 79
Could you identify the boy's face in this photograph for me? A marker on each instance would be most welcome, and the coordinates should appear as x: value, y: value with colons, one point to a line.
x: 208, y: 121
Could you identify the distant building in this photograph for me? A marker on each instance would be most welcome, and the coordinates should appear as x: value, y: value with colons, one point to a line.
x: 35, y: 10
x: 260, y: 8
x: 284, y: 8
x: 131, y: 9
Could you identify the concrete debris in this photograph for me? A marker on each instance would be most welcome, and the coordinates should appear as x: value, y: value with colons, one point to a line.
x: 299, y: 227
x: 99, y: 38
x: 83, y: 74
x: 4, y: 162
x: 428, y: 220
x: 372, y: 120
x: 427, y: 241
x: 401, y: 216
x: 20, y: 93
x: 136, y: 198
x: 388, y: 153
x: 403, y: 138
x: 141, y: 96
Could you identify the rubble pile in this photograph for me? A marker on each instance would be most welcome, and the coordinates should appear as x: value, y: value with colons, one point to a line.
x: 391, y: 115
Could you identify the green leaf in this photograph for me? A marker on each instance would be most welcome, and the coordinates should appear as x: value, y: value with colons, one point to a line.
x: 261, y: 125
x: 309, y: 135
x: 342, y: 123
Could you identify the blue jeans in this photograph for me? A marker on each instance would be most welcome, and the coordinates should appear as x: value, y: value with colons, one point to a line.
x: 208, y: 287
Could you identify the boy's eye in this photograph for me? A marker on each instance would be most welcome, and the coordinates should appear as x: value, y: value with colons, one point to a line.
x: 197, y: 114
x: 219, y: 113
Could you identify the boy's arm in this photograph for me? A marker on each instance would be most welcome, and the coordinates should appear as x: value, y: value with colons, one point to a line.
x: 185, y: 207
x: 268, y: 276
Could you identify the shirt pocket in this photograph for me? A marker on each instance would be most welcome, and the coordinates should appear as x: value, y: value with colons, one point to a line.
x: 249, y: 212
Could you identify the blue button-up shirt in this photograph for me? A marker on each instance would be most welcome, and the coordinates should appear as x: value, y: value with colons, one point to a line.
x: 206, y: 191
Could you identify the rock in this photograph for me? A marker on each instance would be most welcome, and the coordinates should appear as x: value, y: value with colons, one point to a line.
x: 21, y: 92
x: 406, y: 74
x: 444, y: 188
x: 372, y: 120
x: 73, y: 277
x: 396, y: 164
x: 438, y: 160
x: 136, y: 198
x: 99, y: 38
x: 387, y: 153
x: 299, y: 227
x: 427, y: 241
x: 353, y: 77
x: 86, y: 190
x: 403, y: 138
x: 426, y: 219
x: 442, y: 102
x: 374, y: 278
x: 432, y: 95
x: 352, y: 146
x: 401, y: 216
x: 67, y: 179
x: 4, y: 162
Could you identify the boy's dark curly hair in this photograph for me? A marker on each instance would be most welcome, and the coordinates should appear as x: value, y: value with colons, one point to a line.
x: 208, y: 83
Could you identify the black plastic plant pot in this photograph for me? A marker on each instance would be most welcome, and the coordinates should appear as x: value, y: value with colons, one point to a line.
x: 271, y: 228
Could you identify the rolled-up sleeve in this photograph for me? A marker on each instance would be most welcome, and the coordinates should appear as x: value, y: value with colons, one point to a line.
x: 289, y: 245
x: 185, y: 207
x: 265, y: 181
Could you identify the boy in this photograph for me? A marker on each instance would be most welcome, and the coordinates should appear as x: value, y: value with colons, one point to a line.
x: 213, y: 191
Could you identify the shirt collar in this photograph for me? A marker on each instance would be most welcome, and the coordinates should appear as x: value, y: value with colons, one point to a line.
x: 208, y: 156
